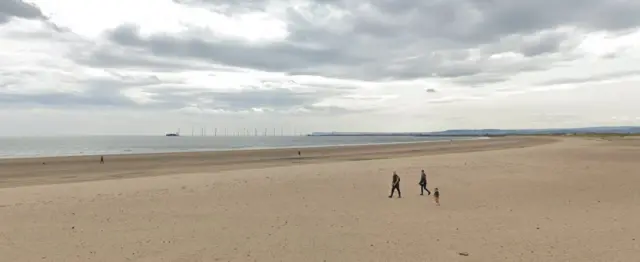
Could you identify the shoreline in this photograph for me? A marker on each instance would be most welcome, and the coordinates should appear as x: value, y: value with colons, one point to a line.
x: 33, y: 171
x: 443, y: 139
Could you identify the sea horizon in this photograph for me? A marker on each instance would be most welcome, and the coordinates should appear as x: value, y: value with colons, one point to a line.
x: 88, y: 145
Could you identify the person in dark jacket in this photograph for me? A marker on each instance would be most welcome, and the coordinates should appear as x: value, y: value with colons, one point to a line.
x: 395, y: 185
x: 423, y: 184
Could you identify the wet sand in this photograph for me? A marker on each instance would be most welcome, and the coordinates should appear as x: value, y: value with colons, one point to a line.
x: 34, y: 171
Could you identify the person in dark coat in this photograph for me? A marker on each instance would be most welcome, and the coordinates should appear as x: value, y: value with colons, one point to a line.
x: 395, y: 185
x: 423, y: 184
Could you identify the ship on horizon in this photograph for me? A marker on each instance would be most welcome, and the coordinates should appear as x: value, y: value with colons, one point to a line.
x: 174, y: 134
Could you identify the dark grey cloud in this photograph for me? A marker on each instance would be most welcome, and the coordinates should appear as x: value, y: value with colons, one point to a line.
x: 386, y: 40
x: 546, y: 44
x: 287, y: 57
x: 167, y: 95
x: 273, y: 99
x: 275, y: 57
x: 114, y: 57
x: 99, y: 92
x: 88, y: 98
x: 477, y: 21
x: 18, y: 8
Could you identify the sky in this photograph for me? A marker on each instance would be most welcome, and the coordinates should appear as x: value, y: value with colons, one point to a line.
x: 154, y: 66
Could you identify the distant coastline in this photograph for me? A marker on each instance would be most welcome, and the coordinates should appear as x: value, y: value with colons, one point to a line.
x: 613, y: 130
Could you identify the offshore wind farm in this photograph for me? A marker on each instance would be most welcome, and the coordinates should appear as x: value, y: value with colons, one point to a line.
x: 239, y: 132
x: 200, y: 141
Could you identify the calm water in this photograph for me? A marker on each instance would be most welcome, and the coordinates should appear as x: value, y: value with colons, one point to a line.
x: 105, y: 145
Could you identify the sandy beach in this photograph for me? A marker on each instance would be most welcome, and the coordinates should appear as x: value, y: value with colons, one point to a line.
x: 503, y: 199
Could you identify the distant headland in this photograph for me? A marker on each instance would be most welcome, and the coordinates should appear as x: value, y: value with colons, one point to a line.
x: 616, y: 130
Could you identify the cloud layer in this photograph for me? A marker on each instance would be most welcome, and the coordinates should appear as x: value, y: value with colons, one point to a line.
x: 16, y: 8
x: 328, y: 61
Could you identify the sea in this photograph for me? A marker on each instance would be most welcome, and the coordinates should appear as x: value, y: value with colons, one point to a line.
x: 27, y: 147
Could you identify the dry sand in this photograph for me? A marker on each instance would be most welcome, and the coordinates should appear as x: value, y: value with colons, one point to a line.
x: 507, y: 199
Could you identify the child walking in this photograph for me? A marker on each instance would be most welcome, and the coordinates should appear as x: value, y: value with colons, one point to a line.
x: 436, y: 196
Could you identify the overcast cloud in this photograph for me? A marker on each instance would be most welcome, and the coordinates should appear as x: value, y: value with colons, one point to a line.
x: 376, y: 65
x: 17, y: 8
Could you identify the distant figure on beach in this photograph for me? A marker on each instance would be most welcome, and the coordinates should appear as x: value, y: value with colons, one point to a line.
x: 299, y: 153
x: 101, y: 159
x: 395, y: 185
x: 423, y: 184
x: 436, y: 196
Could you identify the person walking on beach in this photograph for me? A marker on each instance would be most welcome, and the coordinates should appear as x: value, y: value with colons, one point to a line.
x: 436, y: 196
x: 395, y: 185
x: 423, y: 184
x: 101, y: 159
